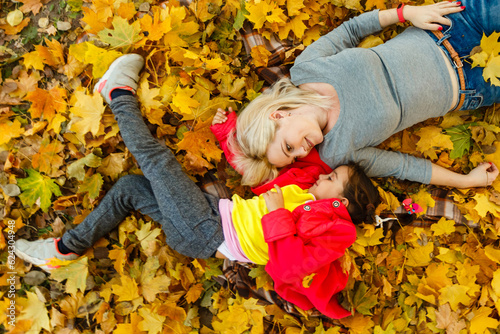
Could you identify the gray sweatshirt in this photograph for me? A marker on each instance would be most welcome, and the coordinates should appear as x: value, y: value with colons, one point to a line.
x: 382, y: 90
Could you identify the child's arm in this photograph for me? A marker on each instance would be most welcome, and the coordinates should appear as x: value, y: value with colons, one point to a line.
x: 290, y: 257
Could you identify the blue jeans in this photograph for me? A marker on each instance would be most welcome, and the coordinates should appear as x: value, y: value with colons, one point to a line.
x: 466, y: 30
x: 189, y: 217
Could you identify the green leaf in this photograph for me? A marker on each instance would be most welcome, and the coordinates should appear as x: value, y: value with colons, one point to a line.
x: 123, y: 35
x: 75, y: 273
x: 240, y: 16
x: 364, y: 299
x: 461, y: 137
x: 92, y: 185
x: 77, y: 170
x: 37, y: 187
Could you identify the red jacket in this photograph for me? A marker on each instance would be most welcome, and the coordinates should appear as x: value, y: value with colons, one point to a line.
x: 303, y: 173
x: 305, y: 242
x: 309, y: 241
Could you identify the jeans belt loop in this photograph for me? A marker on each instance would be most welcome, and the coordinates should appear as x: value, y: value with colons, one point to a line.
x: 458, y: 64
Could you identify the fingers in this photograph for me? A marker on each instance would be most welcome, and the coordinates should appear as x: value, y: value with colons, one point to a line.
x: 220, y: 116
x: 278, y: 189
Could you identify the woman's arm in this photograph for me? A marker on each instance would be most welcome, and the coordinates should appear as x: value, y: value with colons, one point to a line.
x: 481, y: 176
x: 424, y: 17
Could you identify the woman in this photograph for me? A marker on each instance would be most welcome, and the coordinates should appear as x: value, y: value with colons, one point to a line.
x: 350, y: 99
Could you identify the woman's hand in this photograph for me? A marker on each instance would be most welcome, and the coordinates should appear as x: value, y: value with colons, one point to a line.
x: 483, y: 175
x: 274, y: 200
x: 220, y: 117
x: 431, y: 17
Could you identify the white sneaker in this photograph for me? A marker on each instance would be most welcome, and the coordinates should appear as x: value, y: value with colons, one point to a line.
x: 40, y: 252
x: 123, y: 74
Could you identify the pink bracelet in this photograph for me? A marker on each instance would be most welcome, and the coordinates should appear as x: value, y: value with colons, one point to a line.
x: 400, y: 13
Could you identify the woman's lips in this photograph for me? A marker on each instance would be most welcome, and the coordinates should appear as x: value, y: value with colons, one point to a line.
x: 309, y: 143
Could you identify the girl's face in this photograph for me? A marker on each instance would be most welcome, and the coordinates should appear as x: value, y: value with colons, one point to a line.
x: 297, y: 134
x: 331, y: 185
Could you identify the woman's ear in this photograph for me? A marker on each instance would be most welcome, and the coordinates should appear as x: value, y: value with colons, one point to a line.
x: 345, y: 201
x: 278, y: 114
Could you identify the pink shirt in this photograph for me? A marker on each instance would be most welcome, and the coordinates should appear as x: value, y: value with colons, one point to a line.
x: 230, y: 236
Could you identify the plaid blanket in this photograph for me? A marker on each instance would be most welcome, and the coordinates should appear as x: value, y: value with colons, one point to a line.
x: 236, y: 275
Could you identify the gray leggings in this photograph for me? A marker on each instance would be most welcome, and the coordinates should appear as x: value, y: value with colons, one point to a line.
x: 189, y: 217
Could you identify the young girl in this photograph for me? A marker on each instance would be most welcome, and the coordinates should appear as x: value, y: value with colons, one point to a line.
x: 298, y: 234
x: 345, y: 100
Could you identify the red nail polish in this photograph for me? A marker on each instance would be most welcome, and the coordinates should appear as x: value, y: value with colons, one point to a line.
x: 463, y: 7
x: 459, y: 3
x: 440, y: 28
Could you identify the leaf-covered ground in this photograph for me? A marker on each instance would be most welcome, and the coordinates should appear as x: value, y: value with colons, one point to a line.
x: 61, y: 151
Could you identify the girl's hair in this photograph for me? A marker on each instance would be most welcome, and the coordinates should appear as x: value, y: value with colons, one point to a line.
x: 362, y: 194
x: 255, y: 130
x: 364, y: 198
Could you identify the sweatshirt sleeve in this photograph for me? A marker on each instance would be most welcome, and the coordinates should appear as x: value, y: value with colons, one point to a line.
x: 222, y: 132
x: 382, y: 163
x: 348, y: 35
x: 290, y: 257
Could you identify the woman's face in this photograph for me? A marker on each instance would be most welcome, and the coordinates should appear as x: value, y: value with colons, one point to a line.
x: 296, y: 135
x: 331, y: 185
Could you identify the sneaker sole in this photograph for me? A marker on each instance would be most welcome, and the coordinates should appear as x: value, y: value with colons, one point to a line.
x: 37, y: 262
x: 99, y: 86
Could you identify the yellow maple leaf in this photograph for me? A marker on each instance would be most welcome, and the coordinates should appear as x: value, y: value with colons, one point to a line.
x: 432, y: 138
x: 154, y: 26
x: 34, y: 310
x: 100, y: 58
x: 293, y: 7
x: 490, y: 44
x: 33, y: 60
x: 419, y: 256
x: 182, y: 102
x: 88, y: 110
x: 443, y: 226
x: 484, y: 205
x: 127, y: 10
x: 147, y: 236
x: 454, y: 294
x: 263, y: 12
x: 75, y: 273
x: 260, y: 55
x: 152, y: 323
x: 127, y: 290
x: 148, y: 97
x: 123, y: 35
x: 120, y: 257
x: 492, y: 70
x: 296, y: 25
x: 481, y: 321
x: 96, y: 20
x: 389, y: 201
x: 131, y: 328
x: 9, y: 130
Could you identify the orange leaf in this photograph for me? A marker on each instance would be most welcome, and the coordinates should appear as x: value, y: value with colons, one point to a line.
x: 47, y: 159
x: 10, y: 30
x: 33, y: 6
x: 46, y: 102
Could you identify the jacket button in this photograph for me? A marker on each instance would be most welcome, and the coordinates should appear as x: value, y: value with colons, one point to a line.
x: 307, y: 208
x: 336, y: 204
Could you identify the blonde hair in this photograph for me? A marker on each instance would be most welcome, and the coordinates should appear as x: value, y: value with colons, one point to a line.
x: 255, y: 129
